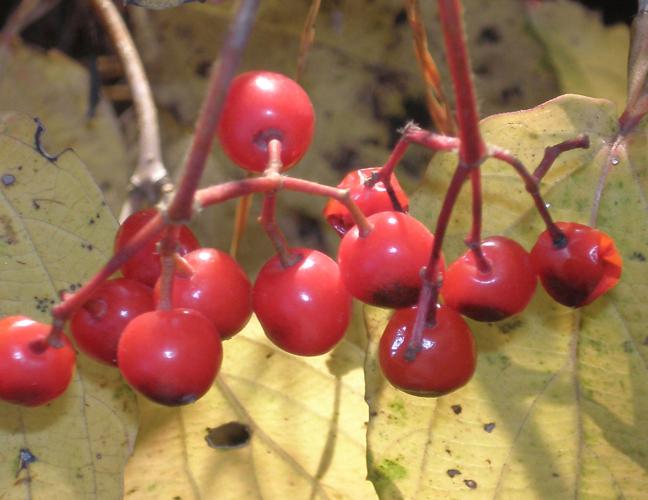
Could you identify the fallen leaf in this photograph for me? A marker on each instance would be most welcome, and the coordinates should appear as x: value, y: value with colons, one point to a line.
x: 589, y: 58
x: 564, y: 391
x: 55, y: 232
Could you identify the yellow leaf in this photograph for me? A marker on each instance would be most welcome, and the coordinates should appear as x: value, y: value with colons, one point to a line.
x: 589, y: 58
x: 306, y: 419
x: 55, y: 232
x: 557, y: 405
x: 56, y: 89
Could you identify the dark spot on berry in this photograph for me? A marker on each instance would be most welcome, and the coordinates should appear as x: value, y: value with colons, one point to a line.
x: 174, y: 399
x: 8, y: 180
x: 400, y: 17
x: 638, y: 256
x: 489, y: 427
x: 482, y: 313
x: 488, y: 34
x: 567, y: 294
x: 202, y: 68
x: 396, y: 296
x: 470, y: 483
x: 229, y: 435
x: 510, y: 326
x: 453, y: 472
x: 509, y: 93
x: 344, y: 159
x: 457, y: 409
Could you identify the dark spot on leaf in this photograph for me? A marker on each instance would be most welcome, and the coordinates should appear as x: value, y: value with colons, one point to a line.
x: 456, y: 409
x: 229, y: 435
x: 98, y: 456
x: 489, y: 427
x: 38, y: 142
x: 91, y: 221
x: 645, y: 342
x: 448, y: 451
x: 509, y: 326
x: 414, y: 109
x: 373, y: 413
x: 453, y: 472
x: 202, y: 68
x: 25, y: 457
x: 35, y: 204
x: 482, y: 69
x: 270, y: 354
x: 470, y: 483
x: 488, y: 34
x: 8, y: 180
x: 400, y: 17
x: 628, y: 347
x: 19, y: 167
x: 8, y: 233
x: 555, y: 474
x: 638, y: 256
x: 344, y: 159
x: 509, y: 93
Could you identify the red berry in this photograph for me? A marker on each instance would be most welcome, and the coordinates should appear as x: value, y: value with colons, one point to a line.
x: 370, y: 200
x: 578, y: 269
x: 445, y: 363
x: 260, y: 106
x: 217, y: 287
x: 97, y: 325
x: 304, y: 308
x: 171, y: 357
x: 29, y: 376
x: 144, y: 266
x: 383, y: 268
x: 501, y: 291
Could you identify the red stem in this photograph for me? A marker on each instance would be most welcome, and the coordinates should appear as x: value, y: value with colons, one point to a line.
x: 168, y: 251
x: 182, y: 205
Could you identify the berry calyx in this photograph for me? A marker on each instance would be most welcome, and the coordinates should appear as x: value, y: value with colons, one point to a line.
x: 145, y: 266
x: 383, y: 268
x: 446, y: 361
x: 261, y: 106
x: 30, y: 376
x: 217, y: 287
x: 171, y: 357
x: 501, y: 290
x: 98, y: 324
x: 579, y: 268
x: 370, y: 199
x: 304, y: 308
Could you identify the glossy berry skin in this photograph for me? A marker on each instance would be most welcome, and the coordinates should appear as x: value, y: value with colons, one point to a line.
x: 502, y: 291
x: 32, y: 377
x: 581, y: 268
x: 260, y: 106
x: 217, y: 287
x: 304, y: 308
x: 383, y: 268
x: 446, y: 362
x: 370, y: 200
x: 144, y: 266
x: 98, y: 324
x: 171, y: 357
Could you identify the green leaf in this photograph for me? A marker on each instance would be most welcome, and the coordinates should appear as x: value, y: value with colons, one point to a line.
x: 556, y: 407
x: 55, y: 232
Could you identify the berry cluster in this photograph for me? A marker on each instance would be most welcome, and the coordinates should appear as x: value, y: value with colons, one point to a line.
x: 163, y: 322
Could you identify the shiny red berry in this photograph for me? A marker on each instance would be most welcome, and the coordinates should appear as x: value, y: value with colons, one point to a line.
x: 217, y: 287
x: 31, y: 376
x: 445, y: 363
x: 383, y: 268
x: 370, y: 199
x: 171, y: 357
x: 98, y: 324
x: 144, y: 266
x: 502, y: 289
x: 303, y: 308
x: 261, y: 106
x: 579, y: 268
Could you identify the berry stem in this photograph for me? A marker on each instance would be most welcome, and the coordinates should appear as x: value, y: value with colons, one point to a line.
x: 182, y: 204
x: 168, y: 251
x: 533, y: 188
x: 150, y: 175
x: 474, y: 239
x: 553, y: 152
